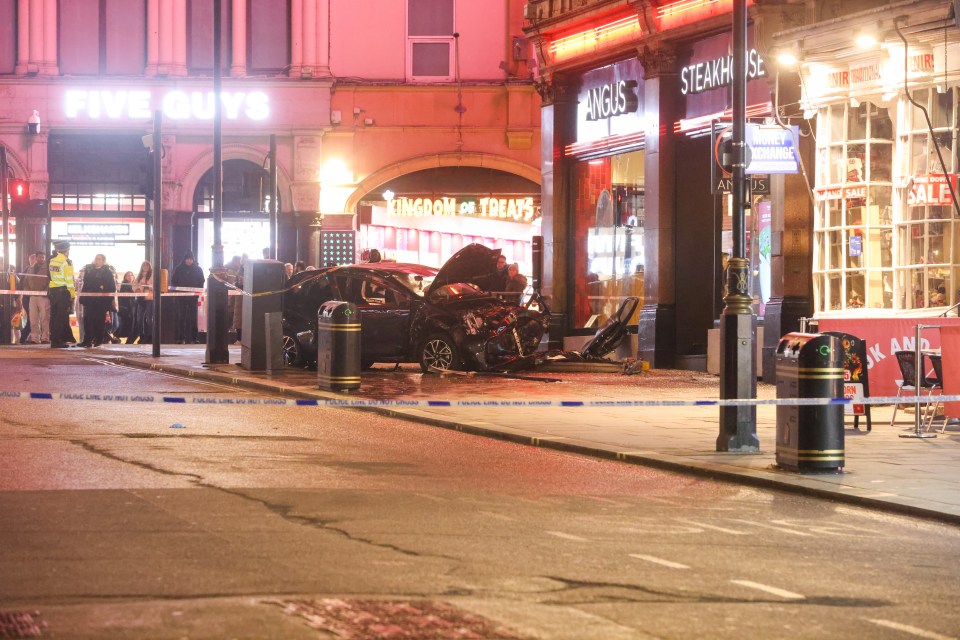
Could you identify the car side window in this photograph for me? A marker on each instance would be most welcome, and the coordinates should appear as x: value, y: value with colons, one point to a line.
x: 351, y: 289
x: 318, y: 289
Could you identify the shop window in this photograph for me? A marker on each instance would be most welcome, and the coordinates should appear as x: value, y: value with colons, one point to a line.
x: 200, y: 36
x: 609, y: 227
x: 103, y: 37
x: 928, y: 233
x: 8, y: 36
x: 430, y: 43
x: 853, y: 228
x: 268, y: 35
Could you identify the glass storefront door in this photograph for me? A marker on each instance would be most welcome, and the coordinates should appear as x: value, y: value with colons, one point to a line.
x: 608, y: 237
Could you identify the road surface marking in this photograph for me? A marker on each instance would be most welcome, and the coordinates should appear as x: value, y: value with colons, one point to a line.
x: 430, y: 497
x: 498, y: 516
x: 566, y: 536
x: 914, y: 631
x: 660, y: 561
x: 783, y: 593
x: 732, y: 532
x: 770, y: 526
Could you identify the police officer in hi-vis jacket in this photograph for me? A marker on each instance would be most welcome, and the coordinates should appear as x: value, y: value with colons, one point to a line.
x: 61, y: 294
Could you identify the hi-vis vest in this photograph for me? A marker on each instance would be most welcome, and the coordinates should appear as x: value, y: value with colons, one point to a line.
x: 61, y: 273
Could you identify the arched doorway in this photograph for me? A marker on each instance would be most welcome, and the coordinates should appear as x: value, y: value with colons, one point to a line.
x: 246, y: 206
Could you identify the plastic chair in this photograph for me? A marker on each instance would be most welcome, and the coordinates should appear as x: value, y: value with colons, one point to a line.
x: 907, y: 361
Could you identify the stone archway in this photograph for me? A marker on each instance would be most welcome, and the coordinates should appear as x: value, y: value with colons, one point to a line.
x: 434, y: 161
x: 183, y: 199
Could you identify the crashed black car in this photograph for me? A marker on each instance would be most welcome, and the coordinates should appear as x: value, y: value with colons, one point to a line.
x: 444, y: 319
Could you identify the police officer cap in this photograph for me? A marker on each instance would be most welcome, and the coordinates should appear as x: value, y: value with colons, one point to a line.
x: 61, y: 245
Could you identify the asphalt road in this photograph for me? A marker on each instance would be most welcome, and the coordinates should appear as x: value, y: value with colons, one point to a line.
x: 188, y: 521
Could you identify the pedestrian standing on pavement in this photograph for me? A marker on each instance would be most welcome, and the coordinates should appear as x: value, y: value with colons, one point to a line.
x: 37, y: 278
x: 499, y: 280
x: 143, y: 305
x: 125, y: 307
x: 98, y: 279
x: 61, y: 294
x: 187, y: 274
x: 25, y: 301
x: 516, y: 284
x: 237, y: 324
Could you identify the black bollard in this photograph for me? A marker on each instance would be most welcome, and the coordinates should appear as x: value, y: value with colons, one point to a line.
x: 217, y: 296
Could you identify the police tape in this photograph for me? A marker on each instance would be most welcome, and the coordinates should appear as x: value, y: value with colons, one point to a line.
x: 466, y: 403
x: 174, y: 292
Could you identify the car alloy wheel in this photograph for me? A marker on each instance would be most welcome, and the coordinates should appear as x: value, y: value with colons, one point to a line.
x: 438, y: 353
x: 292, y: 352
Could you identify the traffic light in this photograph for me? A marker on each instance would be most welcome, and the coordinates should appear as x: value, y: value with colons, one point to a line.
x: 19, y: 190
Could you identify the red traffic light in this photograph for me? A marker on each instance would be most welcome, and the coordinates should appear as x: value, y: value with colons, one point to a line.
x: 19, y: 189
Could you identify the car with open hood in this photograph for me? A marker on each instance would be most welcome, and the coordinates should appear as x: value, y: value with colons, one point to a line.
x: 442, y: 319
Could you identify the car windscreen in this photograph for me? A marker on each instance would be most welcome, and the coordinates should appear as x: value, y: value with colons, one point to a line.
x: 417, y: 283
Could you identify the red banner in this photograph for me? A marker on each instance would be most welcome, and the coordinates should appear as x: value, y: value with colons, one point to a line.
x: 950, y: 348
x: 886, y: 336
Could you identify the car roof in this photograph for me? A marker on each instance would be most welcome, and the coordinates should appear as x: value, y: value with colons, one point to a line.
x: 377, y: 268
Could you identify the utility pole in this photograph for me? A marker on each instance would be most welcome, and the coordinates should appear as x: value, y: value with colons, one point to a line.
x: 738, y: 326
x: 4, y: 196
x: 7, y: 302
x: 157, y: 169
x: 274, y: 205
x: 217, y: 295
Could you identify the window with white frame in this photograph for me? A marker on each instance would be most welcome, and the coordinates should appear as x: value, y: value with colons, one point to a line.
x: 927, y: 229
x: 853, y: 260
x: 886, y: 234
x: 430, y: 42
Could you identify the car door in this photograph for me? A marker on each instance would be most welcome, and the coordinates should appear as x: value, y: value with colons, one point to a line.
x: 384, y: 315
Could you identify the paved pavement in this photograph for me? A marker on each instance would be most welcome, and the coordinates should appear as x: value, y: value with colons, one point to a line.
x: 883, y: 470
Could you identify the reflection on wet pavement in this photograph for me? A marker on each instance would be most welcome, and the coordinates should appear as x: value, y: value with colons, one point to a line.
x: 388, y: 382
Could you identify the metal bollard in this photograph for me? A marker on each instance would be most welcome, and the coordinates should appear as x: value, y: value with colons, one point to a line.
x: 338, y: 346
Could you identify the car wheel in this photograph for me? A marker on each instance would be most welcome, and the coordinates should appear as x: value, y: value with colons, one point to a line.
x: 438, y: 352
x: 292, y: 352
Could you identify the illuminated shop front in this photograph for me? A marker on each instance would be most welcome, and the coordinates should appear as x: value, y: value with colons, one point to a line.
x: 426, y: 217
x: 97, y: 199
x: 886, y: 231
x: 608, y: 251
x: 632, y: 102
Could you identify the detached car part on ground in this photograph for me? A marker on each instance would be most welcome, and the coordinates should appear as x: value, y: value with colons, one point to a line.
x: 443, y: 320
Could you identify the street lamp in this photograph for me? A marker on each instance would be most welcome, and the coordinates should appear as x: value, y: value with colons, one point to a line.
x: 738, y: 327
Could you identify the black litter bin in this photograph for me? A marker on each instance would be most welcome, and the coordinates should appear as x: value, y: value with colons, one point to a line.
x: 338, y: 346
x: 810, y: 437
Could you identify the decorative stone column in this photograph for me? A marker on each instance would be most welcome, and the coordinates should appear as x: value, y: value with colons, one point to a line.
x: 23, y: 38
x: 322, y: 29
x: 238, y: 40
x: 657, y: 326
x: 153, y: 37
x: 558, y: 128
x: 178, y: 65
x: 35, y: 26
x: 48, y: 63
x: 165, y: 29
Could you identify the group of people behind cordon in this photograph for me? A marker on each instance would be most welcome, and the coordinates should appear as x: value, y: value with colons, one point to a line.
x: 102, y: 315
